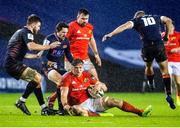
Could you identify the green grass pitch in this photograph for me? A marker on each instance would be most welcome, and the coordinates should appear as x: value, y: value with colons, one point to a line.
x: 162, y: 115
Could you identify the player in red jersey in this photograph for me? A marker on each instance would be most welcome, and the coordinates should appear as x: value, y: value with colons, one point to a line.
x: 75, y: 98
x: 173, y: 52
x: 81, y: 37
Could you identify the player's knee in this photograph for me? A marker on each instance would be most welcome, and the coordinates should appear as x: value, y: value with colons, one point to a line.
x: 38, y: 78
x: 112, y: 102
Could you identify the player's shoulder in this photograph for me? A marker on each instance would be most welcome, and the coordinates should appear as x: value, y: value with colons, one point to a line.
x: 72, y: 23
x: 177, y: 33
x: 51, y: 37
x: 86, y: 73
x: 89, y: 25
x: 67, y: 76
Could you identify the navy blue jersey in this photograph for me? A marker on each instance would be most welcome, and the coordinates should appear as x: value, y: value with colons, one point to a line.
x: 57, y: 54
x: 17, y: 47
x: 149, y: 28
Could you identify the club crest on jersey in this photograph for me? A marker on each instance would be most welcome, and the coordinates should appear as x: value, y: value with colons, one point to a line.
x: 30, y: 36
x: 64, y: 46
x: 85, y: 80
x: 173, y: 38
x: 90, y: 32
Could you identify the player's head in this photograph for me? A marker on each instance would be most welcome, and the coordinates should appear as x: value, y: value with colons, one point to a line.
x: 61, y: 30
x: 34, y: 22
x: 77, y: 67
x: 83, y: 17
x: 139, y: 14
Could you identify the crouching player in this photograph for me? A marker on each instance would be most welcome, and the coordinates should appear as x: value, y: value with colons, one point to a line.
x: 78, y: 85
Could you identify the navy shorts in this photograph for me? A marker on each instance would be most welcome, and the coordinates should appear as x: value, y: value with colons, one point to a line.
x: 156, y: 52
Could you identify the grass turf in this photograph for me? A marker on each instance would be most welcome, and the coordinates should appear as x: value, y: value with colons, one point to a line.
x: 162, y: 115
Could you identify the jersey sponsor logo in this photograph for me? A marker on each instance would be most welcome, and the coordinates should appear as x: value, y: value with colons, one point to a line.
x: 30, y: 36
x: 83, y: 38
x: 78, y: 31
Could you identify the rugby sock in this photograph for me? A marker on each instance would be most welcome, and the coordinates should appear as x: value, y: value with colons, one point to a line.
x: 29, y: 89
x: 59, y: 99
x: 150, y: 78
x: 167, y: 83
x: 130, y: 108
x: 39, y: 96
x: 52, y: 99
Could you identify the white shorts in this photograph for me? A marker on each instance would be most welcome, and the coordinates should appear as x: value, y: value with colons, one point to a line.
x: 93, y: 105
x: 88, y: 65
x: 174, y: 68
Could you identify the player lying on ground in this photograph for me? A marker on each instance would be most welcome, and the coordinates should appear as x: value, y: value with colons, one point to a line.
x: 82, y: 94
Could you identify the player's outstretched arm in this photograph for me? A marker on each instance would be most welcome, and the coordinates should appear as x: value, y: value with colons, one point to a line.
x: 39, y: 47
x: 121, y: 28
x: 168, y: 25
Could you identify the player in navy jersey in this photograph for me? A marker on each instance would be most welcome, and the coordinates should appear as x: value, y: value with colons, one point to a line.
x: 148, y: 26
x: 19, y: 44
x: 53, y: 59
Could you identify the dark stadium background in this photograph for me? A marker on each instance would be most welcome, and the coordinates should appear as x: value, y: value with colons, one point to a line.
x: 120, y: 74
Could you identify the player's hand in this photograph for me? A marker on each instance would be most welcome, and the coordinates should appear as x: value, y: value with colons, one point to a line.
x: 54, y: 44
x: 174, y: 50
x: 107, y: 36
x: 67, y: 107
x: 98, y: 60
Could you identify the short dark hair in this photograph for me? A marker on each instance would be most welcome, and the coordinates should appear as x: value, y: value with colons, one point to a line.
x: 33, y: 18
x: 76, y: 62
x: 139, y: 14
x: 61, y: 25
x: 83, y: 11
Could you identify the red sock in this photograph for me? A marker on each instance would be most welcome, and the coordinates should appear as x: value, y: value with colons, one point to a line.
x: 130, y: 108
x: 53, y: 97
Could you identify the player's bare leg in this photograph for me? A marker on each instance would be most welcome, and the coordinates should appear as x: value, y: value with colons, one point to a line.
x: 149, y: 73
x: 125, y: 106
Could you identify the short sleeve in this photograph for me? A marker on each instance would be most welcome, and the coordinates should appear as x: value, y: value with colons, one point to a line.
x: 65, y: 81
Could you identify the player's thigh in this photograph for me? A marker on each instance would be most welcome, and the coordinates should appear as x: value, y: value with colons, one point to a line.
x: 30, y: 74
x: 175, y: 67
x: 54, y: 76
